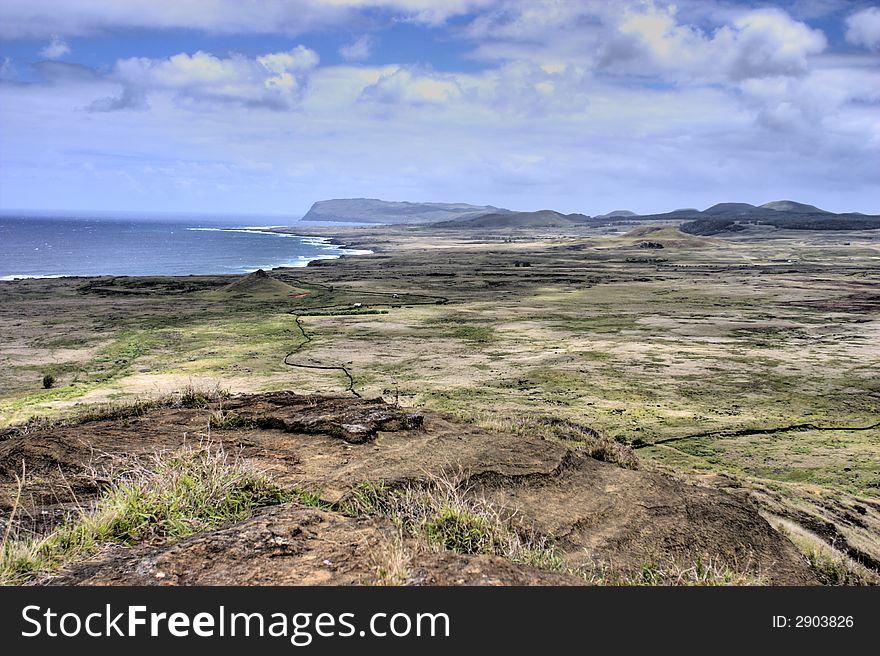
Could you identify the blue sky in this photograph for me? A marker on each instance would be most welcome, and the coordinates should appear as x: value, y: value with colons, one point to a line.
x: 581, y: 105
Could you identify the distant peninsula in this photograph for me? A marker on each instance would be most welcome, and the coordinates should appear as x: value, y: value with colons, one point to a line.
x: 373, y: 210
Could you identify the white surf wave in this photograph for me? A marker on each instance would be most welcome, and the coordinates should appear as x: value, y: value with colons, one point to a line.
x: 23, y: 276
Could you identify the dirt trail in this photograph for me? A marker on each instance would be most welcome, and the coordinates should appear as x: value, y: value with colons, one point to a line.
x: 597, y: 512
x: 432, y: 300
x: 306, y: 339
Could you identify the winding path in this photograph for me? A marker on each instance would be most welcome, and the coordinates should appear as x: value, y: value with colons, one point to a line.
x: 306, y: 339
x: 431, y: 300
x: 756, y: 431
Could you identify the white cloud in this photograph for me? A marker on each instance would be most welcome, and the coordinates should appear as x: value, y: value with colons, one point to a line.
x: 55, y: 49
x: 822, y: 103
x: 43, y: 18
x: 686, y: 42
x: 575, y: 105
x: 275, y: 80
x: 769, y: 42
x: 358, y: 50
x: 758, y: 43
x: 411, y: 86
x: 526, y: 89
x: 863, y: 28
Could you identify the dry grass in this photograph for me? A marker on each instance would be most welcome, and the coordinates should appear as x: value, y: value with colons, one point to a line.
x: 830, y: 565
x: 392, y: 561
x: 444, y: 514
x: 834, y: 568
x: 165, y: 495
x: 702, y: 572
x: 189, y: 396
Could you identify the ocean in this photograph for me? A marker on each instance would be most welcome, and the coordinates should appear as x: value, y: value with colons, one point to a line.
x: 52, y: 246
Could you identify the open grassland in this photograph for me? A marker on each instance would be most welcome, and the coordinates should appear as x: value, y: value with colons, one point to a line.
x: 754, y: 358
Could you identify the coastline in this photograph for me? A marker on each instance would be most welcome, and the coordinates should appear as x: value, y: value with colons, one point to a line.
x: 324, y: 242
x: 351, y: 240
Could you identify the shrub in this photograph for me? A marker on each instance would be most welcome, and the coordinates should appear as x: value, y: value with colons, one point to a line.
x: 48, y: 381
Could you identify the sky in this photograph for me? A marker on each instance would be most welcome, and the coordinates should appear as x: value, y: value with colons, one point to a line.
x: 263, y: 107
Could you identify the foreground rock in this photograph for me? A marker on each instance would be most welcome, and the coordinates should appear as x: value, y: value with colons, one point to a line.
x: 598, y: 513
x: 293, y: 545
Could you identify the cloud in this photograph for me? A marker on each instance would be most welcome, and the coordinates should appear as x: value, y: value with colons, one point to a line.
x: 409, y: 85
x: 698, y: 42
x: 7, y: 69
x: 128, y: 99
x: 769, y: 42
x: 572, y: 105
x: 825, y: 102
x: 863, y: 28
x: 56, y: 49
x: 62, y: 73
x: 274, y: 80
x: 759, y: 43
x: 44, y: 18
x: 527, y: 89
x: 358, y: 50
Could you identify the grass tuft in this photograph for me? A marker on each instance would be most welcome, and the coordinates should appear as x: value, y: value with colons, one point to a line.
x: 392, y: 562
x: 830, y: 565
x: 702, y: 572
x: 454, y: 529
x: 444, y: 514
x: 166, y: 495
x: 833, y: 568
x: 230, y: 420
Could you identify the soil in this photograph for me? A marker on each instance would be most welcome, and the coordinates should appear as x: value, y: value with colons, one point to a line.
x: 597, y: 512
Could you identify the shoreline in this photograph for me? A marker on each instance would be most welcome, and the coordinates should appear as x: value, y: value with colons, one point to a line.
x: 343, y: 250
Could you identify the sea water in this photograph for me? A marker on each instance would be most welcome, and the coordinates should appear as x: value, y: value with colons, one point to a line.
x: 51, y: 246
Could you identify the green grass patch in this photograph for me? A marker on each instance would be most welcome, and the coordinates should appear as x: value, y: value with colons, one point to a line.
x: 834, y: 569
x: 339, y: 313
x: 477, y: 334
x: 116, y: 359
x: 458, y: 530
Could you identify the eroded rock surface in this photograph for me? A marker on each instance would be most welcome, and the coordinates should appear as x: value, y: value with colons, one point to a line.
x: 293, y: 545
x: 597, y: 512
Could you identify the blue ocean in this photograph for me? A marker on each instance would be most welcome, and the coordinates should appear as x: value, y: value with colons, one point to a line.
x: 49, y: 246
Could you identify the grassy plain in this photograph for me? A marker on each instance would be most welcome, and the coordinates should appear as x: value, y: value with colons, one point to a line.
x: 750, y: 361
